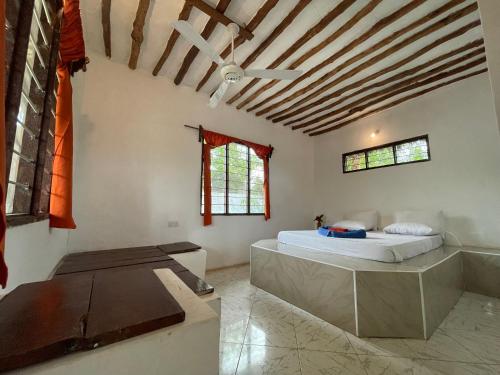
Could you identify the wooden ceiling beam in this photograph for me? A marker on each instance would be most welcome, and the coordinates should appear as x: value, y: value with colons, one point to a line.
x: 371, y: 77
x: 193, y: 51
x: 174, y: 35
x: 453, y: 17
x: 278, y: 30
x: 334, y: 36
x: 397, y: 102
x: 137, y: 32
x: 375, y: 29
x: 399, y: 85
x: 252, y: 25
x: 316, y: 29
x: 219, y: 17
x: 106, y: 25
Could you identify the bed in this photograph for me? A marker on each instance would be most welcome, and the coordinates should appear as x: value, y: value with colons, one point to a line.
x: 379, y: 246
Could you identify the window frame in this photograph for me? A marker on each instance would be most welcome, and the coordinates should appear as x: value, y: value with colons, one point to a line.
x: 20, y: 38
x: 392, y: 145
x: 226, y: 199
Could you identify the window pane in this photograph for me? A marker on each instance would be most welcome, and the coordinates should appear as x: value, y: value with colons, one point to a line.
x: 218, y: 173
x: 412, y: 151
x: 238, y: 179
x: 380, y: 157
x: 256, y: 184
x: 355, y: 162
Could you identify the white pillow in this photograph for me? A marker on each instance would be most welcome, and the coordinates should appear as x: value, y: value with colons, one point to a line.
x: 368, y: 218
x: 350, y: 224
x: 415, y: 229
x: 429, y: 218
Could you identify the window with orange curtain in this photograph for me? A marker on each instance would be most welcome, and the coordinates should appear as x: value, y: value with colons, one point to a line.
x: 32, y: 36
x: 237, y: 175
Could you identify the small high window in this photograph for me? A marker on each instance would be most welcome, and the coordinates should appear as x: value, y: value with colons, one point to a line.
x: 407, y: 151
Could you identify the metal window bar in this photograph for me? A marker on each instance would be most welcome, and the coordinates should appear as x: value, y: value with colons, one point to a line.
x: 51, y: 133
x: 31, y: 104
x: 38, y: 53
x: 40, y: 27
x: 53, y: 113
x: 34, y: 77
x: 27, y: 130
x: 21, y: 185
x: 27, y: 159
x: 47, y: 11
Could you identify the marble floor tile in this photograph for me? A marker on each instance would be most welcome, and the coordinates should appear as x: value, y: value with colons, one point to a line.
x: 442, y: 347
x: 329, y: 363
x: 229, y: 355
x: 271, y: 308
x: 233, y: 327
x: 219, y: 276
x: 316, y: 334
x: 484, y: 345
x: 260, y: 360
x: 476, y: 320
x: 375, y: 365
x: 270, y: 332
x: 236, y: 304
x: 452, y: 368
x: 382, y: 347
x: 474, y: 302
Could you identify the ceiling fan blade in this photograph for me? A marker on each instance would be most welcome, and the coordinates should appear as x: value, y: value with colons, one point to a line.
x: 273, y: 73
x: 185, y: 29
x: 218, y: 94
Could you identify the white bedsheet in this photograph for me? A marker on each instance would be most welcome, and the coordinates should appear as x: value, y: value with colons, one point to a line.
x: 378, y: 246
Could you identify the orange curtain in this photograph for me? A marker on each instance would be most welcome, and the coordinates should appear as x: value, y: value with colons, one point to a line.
x: 61, y: 211
x: 3, y: 177
x: 72, y: 53
x: 212, y: 140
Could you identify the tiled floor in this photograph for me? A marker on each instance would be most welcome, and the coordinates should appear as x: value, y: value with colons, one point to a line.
x: 261, y: 334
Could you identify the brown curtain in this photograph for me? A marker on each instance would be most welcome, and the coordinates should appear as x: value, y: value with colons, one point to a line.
x: 212, y: 140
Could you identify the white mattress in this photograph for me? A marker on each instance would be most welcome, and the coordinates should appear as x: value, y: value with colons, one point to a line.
x: 378, y: 246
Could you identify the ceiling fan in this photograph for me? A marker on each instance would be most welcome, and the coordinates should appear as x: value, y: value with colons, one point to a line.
x: 230, y: 71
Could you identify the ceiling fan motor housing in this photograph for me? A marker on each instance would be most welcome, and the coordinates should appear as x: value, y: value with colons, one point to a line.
x: 232, y: 73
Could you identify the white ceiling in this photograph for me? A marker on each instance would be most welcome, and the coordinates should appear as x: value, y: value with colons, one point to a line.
x: 161, y: 12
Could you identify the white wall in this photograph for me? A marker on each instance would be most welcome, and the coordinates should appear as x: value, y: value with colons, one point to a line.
x: 32, y: 251
x: 137, y: 167
x: 463, y: 178
x: 490, y: 21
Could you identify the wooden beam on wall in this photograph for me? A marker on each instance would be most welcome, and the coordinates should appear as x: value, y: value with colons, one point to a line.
x: 174, y: 35
x: 219, y: 17
x: 313, y: 31
x: 453, y: 17
x: 409, y: 82
x: 367, y: 9
x: 252, y: 25
x: 193, y: 51
x: 137, y: 32
x: 389, y: 80
x: 106, y: 25
x: 399, y: 101
x: 375, y: 29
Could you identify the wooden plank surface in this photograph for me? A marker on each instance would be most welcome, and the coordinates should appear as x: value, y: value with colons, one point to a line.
x: 179, y: 247
x: 44, y: 320
x: 197, y: 285
x: 129, y: 303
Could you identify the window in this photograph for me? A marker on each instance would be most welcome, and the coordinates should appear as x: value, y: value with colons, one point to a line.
x: 31, y: 56
x: 412, y: 150
x: 237, y: 181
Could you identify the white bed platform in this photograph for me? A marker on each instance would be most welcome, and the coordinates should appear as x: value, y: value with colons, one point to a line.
x: 379, y: 246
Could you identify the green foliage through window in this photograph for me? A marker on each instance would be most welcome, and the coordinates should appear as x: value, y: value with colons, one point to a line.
x: 403, y: 152
x: 237, y: 181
